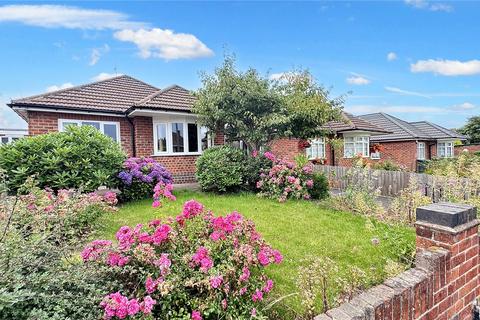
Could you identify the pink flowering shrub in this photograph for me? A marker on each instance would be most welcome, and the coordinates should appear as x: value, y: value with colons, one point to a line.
x: 144, y: 177
x: 194, y: 266
x: 285, y: 180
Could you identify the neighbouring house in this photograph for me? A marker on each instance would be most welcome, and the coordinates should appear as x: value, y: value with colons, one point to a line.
x: 467, y: 148
x: 375, y: 137
x: 9, y: 135
x: 147, y: 121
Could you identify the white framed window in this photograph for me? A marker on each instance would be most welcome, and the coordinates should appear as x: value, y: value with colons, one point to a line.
x: 8, y: 139
x: 420, y: 150
x: 316, y: 149
x: 445, y: 149
x: 108, y: 128
x: 356, y: 145
x: 178, y: 137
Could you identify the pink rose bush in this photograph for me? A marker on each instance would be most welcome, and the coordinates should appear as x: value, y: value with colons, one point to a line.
x: 143, y: 177
x: 193, y: 266
x: 285, y: 180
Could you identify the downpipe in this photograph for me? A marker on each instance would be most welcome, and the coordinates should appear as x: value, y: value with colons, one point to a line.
x: 476, y: 310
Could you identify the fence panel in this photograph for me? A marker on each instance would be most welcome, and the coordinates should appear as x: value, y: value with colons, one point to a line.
x: 391, y: 183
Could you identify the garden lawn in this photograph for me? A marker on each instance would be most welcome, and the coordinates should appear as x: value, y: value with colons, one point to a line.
x: 299, y: 229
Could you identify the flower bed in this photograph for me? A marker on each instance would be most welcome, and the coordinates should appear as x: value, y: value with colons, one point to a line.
x: 194, y: 266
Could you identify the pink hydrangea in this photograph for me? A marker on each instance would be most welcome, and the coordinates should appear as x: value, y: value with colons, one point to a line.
x: 196, y: 315
x: 125, y: 237
x: 151, y: 285
x: 267, y: 255
x: 216, y: 281
x: 202, y: 259
x: 191, y: 209
x: 94, y: 249
x: 117, y: 259
x: 257, y: 296
x: 309, y: 183
x: 268, y: 286
x: 110, y: 198
x: 245, y: 274
x: 224, y: 304
x: 270, y: 156
x: 147, y: 305
x: 117, y: 305
x: 161, y: 234
x: 164, y: 263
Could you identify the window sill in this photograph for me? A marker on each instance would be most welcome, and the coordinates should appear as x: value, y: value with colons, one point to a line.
x: 176, y: 154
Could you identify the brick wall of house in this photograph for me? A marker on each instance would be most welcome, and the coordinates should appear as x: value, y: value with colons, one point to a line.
x: 470, y: 147
x: 286, y: 148
x: 46, y: 122
x: 445, y: 281
x: 403, y: 153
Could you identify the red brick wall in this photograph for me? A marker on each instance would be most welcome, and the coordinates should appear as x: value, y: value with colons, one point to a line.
x: 403, y: 153
x: 286, y: 148
x: 143, y: 136
x: 45, y: 122
x: 471, y: 148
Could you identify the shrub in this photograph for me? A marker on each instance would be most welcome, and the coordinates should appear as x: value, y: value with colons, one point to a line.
x: 192, y: 267
x: 285, y: 180
x: 79, y: 158
x: 319, y: 190
x: 41, y: 279
x: 140, y: 177
x: 254, y: 165
x: 386, y: 165
x: 221, y: 169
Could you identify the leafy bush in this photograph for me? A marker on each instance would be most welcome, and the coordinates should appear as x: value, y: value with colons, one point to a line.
x: 221, y: 169
x: 466, y: 165
x: 140, y: 176
x: 285, y: 180
x: 386, y: 165
x: 41, y: 279
x: 319, y: 190
x: 196, y: 266
x: 79, y: 158
x: 253, y: 166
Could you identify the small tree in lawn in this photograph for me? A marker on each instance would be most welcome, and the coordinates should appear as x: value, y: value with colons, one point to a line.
x: 256, y: 110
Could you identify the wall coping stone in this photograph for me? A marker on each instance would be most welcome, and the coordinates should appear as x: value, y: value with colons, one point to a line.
x: 446, y: 214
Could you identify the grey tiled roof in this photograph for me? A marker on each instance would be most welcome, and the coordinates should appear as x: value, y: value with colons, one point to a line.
x: 351, y: 123
x: 114, y: 95
x: 172, y: 98
x: 402, y: 130
x: 436, y: 131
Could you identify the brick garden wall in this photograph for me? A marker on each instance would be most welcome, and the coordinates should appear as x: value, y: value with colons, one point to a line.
x: 445, y: 281
x: 469, y: 147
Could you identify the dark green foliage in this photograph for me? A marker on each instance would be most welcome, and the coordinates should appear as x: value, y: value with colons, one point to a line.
x: 320, y: 186
x: 221, y: 169
x: 387, y: 165
x: 80, y: 158
x: 252, y: 168
x: 472, y: 129
x: 135, y: 191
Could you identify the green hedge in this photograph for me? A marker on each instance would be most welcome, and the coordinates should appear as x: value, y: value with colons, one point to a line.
x: 80, y: 158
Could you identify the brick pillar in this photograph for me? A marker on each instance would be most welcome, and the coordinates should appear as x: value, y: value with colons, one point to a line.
x: 453, y: 227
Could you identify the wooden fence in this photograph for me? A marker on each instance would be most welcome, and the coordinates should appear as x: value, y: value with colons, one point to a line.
x: 391, y: 183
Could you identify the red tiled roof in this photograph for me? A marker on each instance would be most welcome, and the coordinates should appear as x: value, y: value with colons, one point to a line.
x: 350, y: 123
x: 172, y: 98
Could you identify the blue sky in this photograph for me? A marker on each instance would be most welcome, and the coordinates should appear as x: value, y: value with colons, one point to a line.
x: 415, y: 59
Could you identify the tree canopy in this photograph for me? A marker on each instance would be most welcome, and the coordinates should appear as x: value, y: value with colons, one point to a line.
x: 255, y: 109
x: 472, y: 129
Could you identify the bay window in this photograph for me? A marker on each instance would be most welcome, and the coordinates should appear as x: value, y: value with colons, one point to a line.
x: 111, y: 129
x: 316, y: 149
x: 356, y: 145
x: 445, y: 149
x: 177, y: 137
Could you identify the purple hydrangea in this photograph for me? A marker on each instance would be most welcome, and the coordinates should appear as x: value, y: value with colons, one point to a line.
x: 145, y: 170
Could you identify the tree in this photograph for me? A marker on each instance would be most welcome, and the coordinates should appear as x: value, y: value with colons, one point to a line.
x: 472, y: 129
x: 256, y: 110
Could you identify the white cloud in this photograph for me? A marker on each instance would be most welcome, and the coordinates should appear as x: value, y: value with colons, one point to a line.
x: 165, y: 43
x: 391, y: 56
x: 406, y: 92
x: 97, y: 53
x: 357, y: 79
x: 426, y: 5
x: 60, y: 87
x: 464, y: 106
x: 60, y: 16
x: 104, y: 76
x: 447, y: 67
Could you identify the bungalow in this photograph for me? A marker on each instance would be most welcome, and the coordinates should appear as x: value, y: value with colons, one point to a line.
x: 147, y: 121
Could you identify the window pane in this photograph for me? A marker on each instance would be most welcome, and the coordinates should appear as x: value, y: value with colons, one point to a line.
x: 91, y: 123
x: 192, y: 137
x: 177, y: 137
x: 110, y: 130
x: 349, y: 150
x: 162, y: 137
x: 204, y: 137
x: 4, y: 140
x: 65, y: 124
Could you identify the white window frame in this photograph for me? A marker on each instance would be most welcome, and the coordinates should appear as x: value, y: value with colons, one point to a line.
x: 447, y: 144
x: 169, y: 151
x: 102, y: 125
x: 360, y: 142
x: 320, y: 147
x: 9, y: 138
x: 421, y: 150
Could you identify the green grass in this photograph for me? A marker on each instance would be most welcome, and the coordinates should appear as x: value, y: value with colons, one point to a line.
x: 298, y: 229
